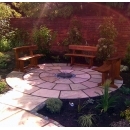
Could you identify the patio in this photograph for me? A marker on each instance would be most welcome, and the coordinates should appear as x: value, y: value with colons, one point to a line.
x: 31, y: 89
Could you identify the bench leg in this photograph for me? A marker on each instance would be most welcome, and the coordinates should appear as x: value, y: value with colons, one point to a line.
x: 72, y: 60
x: 21, y: 65
x: 90, y: 63
x: 34, y: 62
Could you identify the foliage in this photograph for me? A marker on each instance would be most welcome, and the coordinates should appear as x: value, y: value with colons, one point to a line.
x: 43, y: 37
x: 59, y: 10
x: 127, y: 55
x: 18, y: 37
x: 107, y: 29
x: 126, y: 114
x: 108, y: 33
x: 127, y: 102
x: 3, y: 60
x: 53, y: 105
x: 74, y: 35
x: 30, y: 9
x: 106, y: 100
x: 105, y: 49
x: 4, y: 44
x: 86, y: 120
x: 2, y: 86
x: 81, y: 106
x: 6, y: 11
x: 125, y: 90
x: 56, y: 58
x: 124, y: 68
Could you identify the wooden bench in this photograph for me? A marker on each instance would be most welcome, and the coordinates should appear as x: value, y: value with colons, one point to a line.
x: 26, y: 53
x: 88, y: 52
x: 110, y: 70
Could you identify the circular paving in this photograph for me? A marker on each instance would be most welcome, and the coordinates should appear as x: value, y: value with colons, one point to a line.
x: 44, y: 82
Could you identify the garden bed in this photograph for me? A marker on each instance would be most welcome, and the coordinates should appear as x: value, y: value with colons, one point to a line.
x: 69, y: 115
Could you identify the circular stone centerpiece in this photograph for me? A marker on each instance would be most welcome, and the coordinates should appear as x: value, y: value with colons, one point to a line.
x: 65, y: 75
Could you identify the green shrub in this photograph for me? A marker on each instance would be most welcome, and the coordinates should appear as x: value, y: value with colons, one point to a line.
x: 2, y: 86
x: 18, y: 37
x: 54, y: 105
x: 74, y: 35
x: 127, y: 102
x: 126, y: 114
x: 4, y: 44
x: 43, y: 38
x: 125, y: 90
x: 86, y: 120
x: 108, y: 33
x: 4, y: 60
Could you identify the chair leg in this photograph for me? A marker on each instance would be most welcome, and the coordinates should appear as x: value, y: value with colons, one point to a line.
x: 104, y: 78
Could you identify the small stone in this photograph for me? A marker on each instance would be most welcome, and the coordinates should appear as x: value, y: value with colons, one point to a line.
x: 46, y: 118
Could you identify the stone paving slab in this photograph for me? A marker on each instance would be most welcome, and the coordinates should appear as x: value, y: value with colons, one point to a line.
x: 6, y: 111
x: 93, y: 92
x: 21, y: 100
x: 47, y: 93
x: 62, y: 87
x: 77, y: 86
x: 78, y: 80
x: 90, y: 84
x: 47, y: 85
x: 24, y: 119
x: 72, y: 94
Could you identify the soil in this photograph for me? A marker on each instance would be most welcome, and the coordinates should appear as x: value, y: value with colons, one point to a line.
x: 69, y: 115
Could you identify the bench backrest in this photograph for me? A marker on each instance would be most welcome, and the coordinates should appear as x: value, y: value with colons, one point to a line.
x: 83, y: 48
x: 89, y: 50
x: 24, y: 50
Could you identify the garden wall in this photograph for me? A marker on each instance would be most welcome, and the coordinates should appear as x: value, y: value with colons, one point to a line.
x: 90, y: 30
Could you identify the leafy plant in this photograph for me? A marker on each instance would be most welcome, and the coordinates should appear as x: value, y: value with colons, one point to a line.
x: 56, y: 58
x: 3, y: 60
x: 74, y: 35
x: 2, y: 86
x: 43, y: 37
x: 86, y: 120
x: 81, y: 106
x: 108, y: 33
x: 54, y: 105
x: 125, y: 90
x: 105, y: 49
x: 106, y: 101
x: 4, y: 44
x: 126, y: 114
x: 127, y: 102
x: 18, y: 37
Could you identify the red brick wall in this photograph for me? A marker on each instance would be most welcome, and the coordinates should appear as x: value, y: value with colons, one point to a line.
x: 89, y: 29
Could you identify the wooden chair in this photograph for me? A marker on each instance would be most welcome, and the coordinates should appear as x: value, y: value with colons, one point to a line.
x: 110, y: 69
